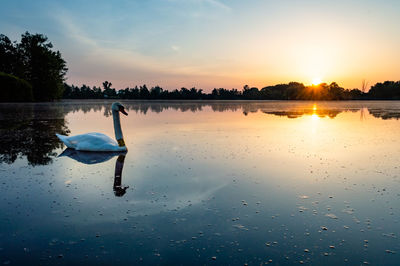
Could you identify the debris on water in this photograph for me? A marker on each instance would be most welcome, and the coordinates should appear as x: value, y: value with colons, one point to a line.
x: 348, y: 210
x: 302, y: 208
x: 331, y: 215
x: 390, y: 251
x: 239, y: 226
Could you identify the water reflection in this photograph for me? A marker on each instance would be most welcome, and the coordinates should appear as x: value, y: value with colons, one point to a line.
x: 28, y: 130
x: 291, y: 109
x: 384, y: 110
x: 119, y: 190
x: 214, y: 186
x: 87, y: 157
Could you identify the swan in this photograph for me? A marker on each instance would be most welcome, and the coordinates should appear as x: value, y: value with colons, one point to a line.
x: 98, y: 141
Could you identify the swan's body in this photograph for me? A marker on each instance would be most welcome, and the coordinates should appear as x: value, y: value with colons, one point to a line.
x: 91, y: 142
x: 98, y: 141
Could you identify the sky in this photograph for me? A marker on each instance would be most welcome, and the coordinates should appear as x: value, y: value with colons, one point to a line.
x: 215, y: 43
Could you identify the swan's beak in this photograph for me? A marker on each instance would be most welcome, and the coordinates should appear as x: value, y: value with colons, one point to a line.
x: 122, y: 110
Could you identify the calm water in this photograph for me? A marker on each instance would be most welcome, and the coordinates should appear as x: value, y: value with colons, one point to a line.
x: 202, y: 183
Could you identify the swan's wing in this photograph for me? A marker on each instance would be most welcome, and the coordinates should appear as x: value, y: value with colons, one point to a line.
x: 94, y: 142
x: 91, y: 142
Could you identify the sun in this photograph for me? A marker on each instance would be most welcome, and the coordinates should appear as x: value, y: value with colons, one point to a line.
x: 316, y: 81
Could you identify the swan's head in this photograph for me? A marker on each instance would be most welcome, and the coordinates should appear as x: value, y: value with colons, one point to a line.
x: 118, y: 108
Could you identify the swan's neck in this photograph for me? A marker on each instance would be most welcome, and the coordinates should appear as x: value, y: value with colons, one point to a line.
x: 117, y: 129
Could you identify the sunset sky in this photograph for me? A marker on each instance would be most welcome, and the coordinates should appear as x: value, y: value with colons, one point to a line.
x: 215, y: 43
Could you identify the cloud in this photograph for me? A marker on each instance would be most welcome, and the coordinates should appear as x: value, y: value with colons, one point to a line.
x: 107, y: 54
x: 218, y: 4
x: 214, y: 3
x: 96, y: 56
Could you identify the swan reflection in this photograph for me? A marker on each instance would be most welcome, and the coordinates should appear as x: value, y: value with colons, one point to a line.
x: 119, y: 190
x: 87, y: 157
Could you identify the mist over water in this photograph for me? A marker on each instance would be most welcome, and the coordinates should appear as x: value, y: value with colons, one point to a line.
x: 202, y: 183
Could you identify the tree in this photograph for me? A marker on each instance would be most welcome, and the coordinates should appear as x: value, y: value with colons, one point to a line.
x: 250, y: 93
x: 9, y: 60
x: 144, y: 92
x: 43, y: 68
x: 156, y: 92
x: 108, y: 91
x: 386, y: 90
x: 34, y: 60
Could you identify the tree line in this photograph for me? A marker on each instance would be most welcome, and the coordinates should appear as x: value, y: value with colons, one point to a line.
x: 30, y: 70
x: 289, y: 91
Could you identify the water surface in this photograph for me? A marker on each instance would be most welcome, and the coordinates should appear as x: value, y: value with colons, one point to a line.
x: 202, y: 183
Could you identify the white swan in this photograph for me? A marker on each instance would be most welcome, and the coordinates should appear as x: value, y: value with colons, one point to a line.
x: 98, y: 141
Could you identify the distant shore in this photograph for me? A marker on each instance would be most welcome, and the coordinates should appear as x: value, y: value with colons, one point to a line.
x: 388, y: 90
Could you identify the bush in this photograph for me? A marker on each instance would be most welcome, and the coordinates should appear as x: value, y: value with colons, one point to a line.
x: 14, y: 89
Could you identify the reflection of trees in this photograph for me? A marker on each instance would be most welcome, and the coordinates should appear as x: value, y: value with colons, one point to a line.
x: 290, y: 109
x: 385, y: 114
x: 29, y: 130
x: 300, y: 113
x: 277, y: 108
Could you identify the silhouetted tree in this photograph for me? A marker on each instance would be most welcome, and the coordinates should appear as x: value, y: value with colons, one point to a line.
x: 290, y: 91
x: 144, y: 92
x: 43, y: 68
x: 385, y: 91
x: 109, y: 92
x: 156, y: 92
x: 34, y: 60
x: 251, y: 93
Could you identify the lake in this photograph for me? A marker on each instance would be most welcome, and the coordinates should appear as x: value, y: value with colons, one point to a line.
x: 216, y: 183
